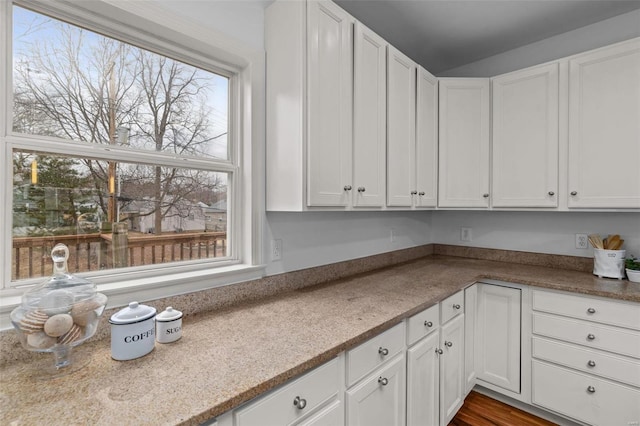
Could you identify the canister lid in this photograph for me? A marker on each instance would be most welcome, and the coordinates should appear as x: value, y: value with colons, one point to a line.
x: 132, y: 314
x: 169, y: 314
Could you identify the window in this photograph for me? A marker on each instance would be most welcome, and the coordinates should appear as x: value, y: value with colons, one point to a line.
x: 109, y: 130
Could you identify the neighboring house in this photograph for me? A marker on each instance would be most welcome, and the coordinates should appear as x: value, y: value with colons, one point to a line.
x: 215, y: 217
x: 186, y: 216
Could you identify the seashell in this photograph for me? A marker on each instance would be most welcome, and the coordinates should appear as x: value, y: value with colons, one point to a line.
x: 58, y: 325
x: 56, y: 302
x: 33, y: 321
x: 71, y: 336
x: 40, y: 340
x: 83, y: 312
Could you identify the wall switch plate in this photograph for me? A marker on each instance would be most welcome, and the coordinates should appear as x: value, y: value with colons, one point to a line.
x: 276, y: 250
x: 465, y: 234
x: 392, y: 236
x: 582, y: 241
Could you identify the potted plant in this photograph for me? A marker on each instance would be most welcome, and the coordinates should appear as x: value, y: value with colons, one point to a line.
x: 632, y: 265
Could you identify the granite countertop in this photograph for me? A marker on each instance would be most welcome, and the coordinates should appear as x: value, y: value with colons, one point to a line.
x: 229, y: 356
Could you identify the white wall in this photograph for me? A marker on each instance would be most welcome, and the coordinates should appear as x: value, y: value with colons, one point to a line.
x: 612, y: 30
x: 542, y: 232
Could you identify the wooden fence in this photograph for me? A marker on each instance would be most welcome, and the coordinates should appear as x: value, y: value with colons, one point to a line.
x: 31, y: 256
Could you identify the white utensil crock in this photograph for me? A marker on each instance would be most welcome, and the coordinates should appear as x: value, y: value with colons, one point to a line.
x: 608, y: 263
x: 132, y: 332
x: 168, y: 325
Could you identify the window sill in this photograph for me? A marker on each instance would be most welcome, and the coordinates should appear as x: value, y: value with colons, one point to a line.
x: 155, y: 287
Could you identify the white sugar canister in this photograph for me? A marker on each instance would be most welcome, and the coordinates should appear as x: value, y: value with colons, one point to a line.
x: 168, y: 325
x: 132, y: 331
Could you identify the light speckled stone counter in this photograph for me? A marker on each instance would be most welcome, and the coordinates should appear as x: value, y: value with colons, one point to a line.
x: 230, y: 356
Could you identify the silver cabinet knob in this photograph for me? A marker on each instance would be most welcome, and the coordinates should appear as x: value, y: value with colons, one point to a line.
x: 383, y: 351
x: 383, y: 381
x: 439, y: 351
x: 591, y: 336
x: 347, y: 187
x: 591, y: 311
x: 428, y: 324
x: 361, y: 189
x: 421, y: 193
x: 591, y: 363
x: 485, y: 195
x: 552, y: 193
x: 591, y: 389
x: 448, y: 344
x: 456, y: 306
x: 414, y: 192
x: 574, y: 193
x: 300, y: 403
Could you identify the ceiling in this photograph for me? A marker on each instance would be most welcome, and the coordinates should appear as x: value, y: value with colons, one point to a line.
x: 445, y: 34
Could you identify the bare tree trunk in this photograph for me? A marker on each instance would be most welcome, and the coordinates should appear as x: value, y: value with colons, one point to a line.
x: 158, y: 200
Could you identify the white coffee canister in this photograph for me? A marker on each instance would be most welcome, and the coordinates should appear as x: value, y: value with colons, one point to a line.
x: 132, y: 332
x: 608, y: 263
x: 168, y: 325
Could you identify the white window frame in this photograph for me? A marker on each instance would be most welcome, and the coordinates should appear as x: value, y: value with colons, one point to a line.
x: 149, y: 26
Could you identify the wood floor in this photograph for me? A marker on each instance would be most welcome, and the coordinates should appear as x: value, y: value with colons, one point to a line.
x: 480, y: 410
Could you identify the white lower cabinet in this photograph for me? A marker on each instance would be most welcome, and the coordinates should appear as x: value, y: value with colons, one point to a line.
x: 423, y: 380
x: 451, y: 369
x: 586, y: 358
x: 379, y: 399
x: 294, y: 402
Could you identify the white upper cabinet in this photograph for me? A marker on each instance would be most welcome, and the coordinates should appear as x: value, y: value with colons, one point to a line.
x: 330, y: 79
x: 401, y: 131
x: 309, y: 65
x: 426, y: 156
x: 370, y: 121
x: 525, y: 138
x: 464, y: 142
x: 604, y: 127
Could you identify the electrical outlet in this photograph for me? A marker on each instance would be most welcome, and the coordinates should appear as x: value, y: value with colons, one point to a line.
x: 276, y: 250
x: 582, y: 241
x: 392, y: 236
x: 465, y: 234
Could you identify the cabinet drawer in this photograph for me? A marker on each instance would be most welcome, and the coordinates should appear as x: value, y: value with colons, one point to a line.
x: 612, y: 339
x: 590, y: 361
x: 371, y: 354
x: 451, y: 306
x: 315, y: 388
x: 612, y: 312
x: 583, y: 397
x: 422, y: 324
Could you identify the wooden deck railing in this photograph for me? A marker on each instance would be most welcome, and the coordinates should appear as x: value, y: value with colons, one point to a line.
x: 31, y: 256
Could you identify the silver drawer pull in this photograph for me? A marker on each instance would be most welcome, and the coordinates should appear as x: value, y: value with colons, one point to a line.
x: 456, y: 306
x: 383, y: 351
x: 428, y: 324
x: 383, y: 381
x: 361, y: 189
x: 414, y: 192
x: 421, y: 193
x: 448, y: 344
x: 591, y: 311
x: 591, y: 363
x: 591, y: 336
x: 439, y: 351
x: 300, y: 403
x: 591, y: 389
x: 347, y: 187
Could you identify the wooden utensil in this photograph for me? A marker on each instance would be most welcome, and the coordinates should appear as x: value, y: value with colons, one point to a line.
x: 596, y: 241
x: 612, y: 241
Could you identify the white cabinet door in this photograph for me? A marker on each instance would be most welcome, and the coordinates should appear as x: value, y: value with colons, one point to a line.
x: 401, y: 114
x: 423, y: 377
x: 426, y: 157
x: 525, y: 138
x: 370, y: 121
x: 604, y: 127
x: 451, y: 369
x: 498, y: 328
x: 329, y: 114
x: 470, y: 319
x: 379, y: 399
x: 463, y: 178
